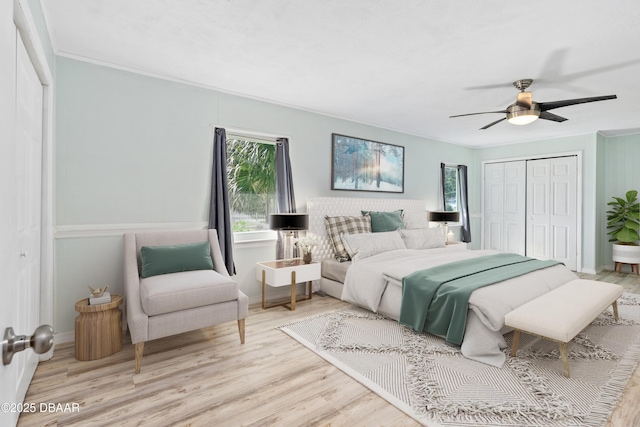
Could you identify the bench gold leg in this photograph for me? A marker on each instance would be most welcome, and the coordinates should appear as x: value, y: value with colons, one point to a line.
x: 516, y: 342
x: 564, y: 355
x: 615, y: 309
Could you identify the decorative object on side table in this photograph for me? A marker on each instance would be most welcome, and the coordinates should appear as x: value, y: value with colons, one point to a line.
x: 306, y: 245
x: 444, y: 218
x: 99, y: 296
x: 288, y: 223
x: 624, y: 221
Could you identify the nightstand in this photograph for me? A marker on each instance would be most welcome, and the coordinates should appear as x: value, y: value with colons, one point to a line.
x: 277, y: 273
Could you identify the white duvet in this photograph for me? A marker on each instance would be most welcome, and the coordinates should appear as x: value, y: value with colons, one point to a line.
x: 375, y: 283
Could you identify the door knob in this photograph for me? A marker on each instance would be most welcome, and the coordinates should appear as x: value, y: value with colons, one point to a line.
x: 41, y: 342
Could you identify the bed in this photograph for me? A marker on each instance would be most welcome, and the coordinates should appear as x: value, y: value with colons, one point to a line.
x: 374, y: 282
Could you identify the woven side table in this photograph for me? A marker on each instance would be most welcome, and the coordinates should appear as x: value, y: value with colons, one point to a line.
x: 98, y: 329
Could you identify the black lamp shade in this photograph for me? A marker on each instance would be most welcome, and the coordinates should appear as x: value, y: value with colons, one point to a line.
x: 289, y: 221
x: 441, y: 216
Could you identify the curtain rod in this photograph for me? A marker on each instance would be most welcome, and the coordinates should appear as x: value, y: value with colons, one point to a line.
x: 249, y: 134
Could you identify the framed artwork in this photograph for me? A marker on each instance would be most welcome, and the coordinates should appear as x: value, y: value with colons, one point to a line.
x: 361, y: 165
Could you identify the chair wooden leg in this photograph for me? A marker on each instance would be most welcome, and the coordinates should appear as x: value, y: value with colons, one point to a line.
x: 516, y: 342
x: 564, y: 355
x: 241, y: 330
x: 615, y: 309
x: 139, y: 349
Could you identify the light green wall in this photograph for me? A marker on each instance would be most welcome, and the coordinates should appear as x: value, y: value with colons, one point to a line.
x: 622, y: 174
x: 610, y: 167
x: 586, y: 144
x: 132, y: 149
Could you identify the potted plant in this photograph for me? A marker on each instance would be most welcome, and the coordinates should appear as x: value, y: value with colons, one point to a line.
x: 623, y: 220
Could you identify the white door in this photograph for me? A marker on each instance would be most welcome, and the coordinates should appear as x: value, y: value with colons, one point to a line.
x: 505, y: 202
x: 493, y: 206
x: 552, y: 209
x: 20, y: 217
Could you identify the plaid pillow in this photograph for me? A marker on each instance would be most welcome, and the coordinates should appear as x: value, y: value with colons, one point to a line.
x: 337, y: 225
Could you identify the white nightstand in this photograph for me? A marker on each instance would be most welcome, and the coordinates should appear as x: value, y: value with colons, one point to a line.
x: 277, y: 273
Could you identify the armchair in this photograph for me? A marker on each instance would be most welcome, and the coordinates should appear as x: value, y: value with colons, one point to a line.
x: 168, y: 304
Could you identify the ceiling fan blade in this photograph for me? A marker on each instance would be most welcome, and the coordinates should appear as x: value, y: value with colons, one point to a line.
x: 550, y: 116
x: 493, y: 123
x: 545, y: 106
x: 484, y: 112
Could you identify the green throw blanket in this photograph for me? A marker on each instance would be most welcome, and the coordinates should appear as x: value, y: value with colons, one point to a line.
x: 436, y: 300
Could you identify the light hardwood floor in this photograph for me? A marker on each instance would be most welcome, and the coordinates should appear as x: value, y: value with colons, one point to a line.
x: 207, y: 378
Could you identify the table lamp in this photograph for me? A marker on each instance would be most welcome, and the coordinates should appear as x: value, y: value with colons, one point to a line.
x: 288, y: 223
x: 444, y: 217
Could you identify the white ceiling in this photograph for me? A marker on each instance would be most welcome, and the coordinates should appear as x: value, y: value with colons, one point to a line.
x: 399, y: 64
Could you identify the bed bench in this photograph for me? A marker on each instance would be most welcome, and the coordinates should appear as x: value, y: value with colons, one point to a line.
x: 561, y: 314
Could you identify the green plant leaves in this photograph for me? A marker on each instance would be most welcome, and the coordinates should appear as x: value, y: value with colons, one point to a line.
x: 624, y: 217
x: 627, y: 235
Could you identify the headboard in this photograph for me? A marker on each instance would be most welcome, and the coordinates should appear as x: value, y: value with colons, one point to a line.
x: 319, y: 207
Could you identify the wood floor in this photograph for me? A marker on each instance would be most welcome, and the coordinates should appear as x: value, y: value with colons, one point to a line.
x: 208, y: 378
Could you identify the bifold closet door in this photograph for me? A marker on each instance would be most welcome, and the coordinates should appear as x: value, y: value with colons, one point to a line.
x: 552, y: 209
x: 504, y: 206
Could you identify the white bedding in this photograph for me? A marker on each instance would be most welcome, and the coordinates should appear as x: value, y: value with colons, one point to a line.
x: 375, y: 283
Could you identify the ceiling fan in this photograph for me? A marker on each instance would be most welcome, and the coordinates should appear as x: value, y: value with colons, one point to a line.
x: 525, y: 110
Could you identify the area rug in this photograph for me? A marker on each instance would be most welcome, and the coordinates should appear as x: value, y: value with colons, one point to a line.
x: 433, y: 383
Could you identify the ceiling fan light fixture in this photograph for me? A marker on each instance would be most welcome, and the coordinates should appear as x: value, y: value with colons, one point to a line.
x: 519, y: 115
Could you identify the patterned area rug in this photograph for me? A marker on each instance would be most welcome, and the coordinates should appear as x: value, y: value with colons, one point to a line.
x: 433, y: 383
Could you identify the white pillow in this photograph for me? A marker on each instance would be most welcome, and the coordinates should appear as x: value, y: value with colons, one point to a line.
x: 415, y: 220
x: 423, y: 238
x: 364, y: 245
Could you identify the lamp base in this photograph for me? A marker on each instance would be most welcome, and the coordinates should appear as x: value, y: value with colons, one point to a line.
x: 444, y: 227
x: 288, y: 249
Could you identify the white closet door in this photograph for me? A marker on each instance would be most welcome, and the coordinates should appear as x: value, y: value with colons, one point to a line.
x: 552, y: 209
x: 493, y: 206
x: 504, y: 206
x: 515, y: 175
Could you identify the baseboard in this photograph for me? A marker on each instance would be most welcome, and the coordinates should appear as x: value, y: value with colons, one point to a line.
x: 64, y: 337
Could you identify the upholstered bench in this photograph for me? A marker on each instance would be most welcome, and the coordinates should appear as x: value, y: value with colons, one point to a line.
x: 561, y: 314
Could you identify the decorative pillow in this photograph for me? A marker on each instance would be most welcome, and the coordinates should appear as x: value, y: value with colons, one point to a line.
x: 360, y: 246
x: 423, y: 238
x: 173, y: 259
x: 385, y: 221
x: 413, y: 220
x: 337, y: 225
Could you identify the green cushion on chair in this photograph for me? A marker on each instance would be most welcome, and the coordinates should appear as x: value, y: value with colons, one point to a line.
x: 173, y: 259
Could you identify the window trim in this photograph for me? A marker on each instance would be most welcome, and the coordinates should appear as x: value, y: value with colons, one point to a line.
x: 444, y: 202
x: 260, y: 237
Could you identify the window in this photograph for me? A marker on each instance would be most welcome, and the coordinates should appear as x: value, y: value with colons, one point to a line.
x: 450, y: 188
x: 251, y: 170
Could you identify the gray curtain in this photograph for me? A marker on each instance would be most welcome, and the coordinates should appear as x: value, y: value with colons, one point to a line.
x: 465, y: 230
x: 444, y: 202
x: 219, y: 216
x: 285, y: 199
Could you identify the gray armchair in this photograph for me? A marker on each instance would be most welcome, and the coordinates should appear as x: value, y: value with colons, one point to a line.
x: 173, y: 303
